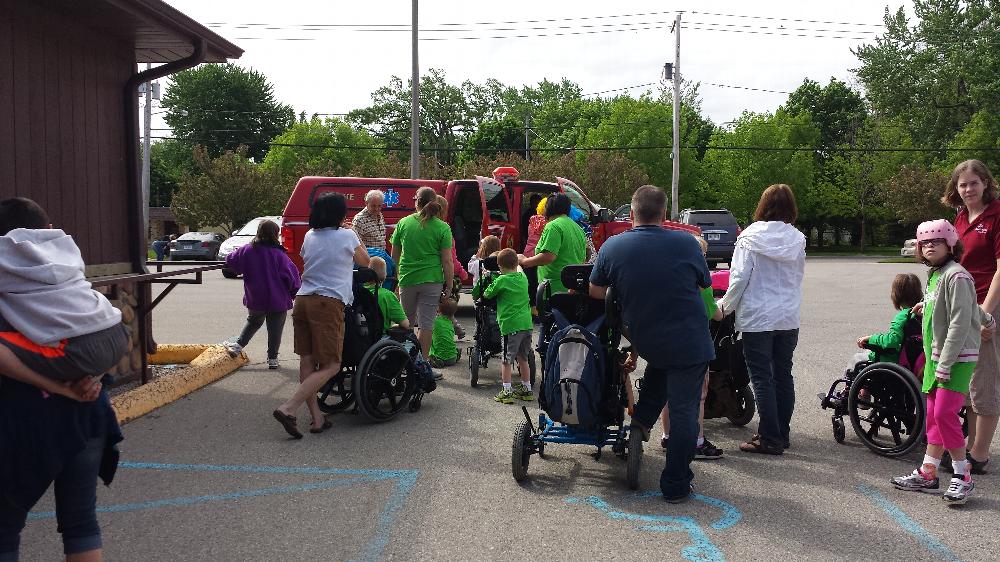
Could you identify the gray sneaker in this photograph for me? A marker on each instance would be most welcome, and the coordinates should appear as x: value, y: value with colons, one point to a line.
x: 273, y: 363
x: 959, y: 491
x: 916, y: 482
x: 234, y: 349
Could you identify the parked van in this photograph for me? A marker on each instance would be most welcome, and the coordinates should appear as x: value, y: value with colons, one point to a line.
x: 476, y: 208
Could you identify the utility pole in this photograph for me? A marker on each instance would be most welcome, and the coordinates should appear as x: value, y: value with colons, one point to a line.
x: 415, y: 104
x: 527, y: 138
x: 676, y: 156
x: 147, y: 123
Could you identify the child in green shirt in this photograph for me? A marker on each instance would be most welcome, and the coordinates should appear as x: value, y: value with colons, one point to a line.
x: 906, y: 292
x: 704, y: 449
x: 510, y: 289
x: 444, y: 352
x: 392, y: 311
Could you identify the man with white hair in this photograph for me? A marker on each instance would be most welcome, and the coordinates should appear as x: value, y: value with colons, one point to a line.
x: 369, y: 224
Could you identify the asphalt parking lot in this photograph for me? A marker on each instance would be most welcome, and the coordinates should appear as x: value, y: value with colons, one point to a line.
x: 213, y: 476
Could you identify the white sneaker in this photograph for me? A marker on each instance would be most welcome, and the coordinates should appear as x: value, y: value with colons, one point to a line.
x: 272, y: 363
x: 234, y: 349
x: 958, y: 491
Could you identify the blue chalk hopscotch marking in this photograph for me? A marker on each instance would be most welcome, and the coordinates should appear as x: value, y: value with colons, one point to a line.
x: 924, y: 537
x: 701, y: 550
x: 405, y: 480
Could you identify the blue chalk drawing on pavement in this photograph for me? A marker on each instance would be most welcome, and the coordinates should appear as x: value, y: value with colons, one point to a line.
x: 405, y: 480
x: 924, y: 537
x: 701, y: 550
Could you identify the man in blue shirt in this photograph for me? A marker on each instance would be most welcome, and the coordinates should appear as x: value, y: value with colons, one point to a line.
x: 657, y: 275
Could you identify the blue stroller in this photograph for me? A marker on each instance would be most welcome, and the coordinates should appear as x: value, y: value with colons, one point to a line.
x: 583, y: 393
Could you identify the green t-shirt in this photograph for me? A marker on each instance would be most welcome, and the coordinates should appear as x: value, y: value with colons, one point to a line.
x: 443, y: 339
x: 392, y: 311
x: 513, y: 307
x: 709, y: 297
x: 420, y: 248
x: 566, y: 240
x: 961, y: 373
x: 891, y: 341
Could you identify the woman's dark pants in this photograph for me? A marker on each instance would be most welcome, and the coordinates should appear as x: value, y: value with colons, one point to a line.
x: 769, y: 360
x: 275, y: 325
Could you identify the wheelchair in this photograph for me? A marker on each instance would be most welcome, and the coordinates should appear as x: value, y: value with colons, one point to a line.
x: 883, y: 401
x: 380, y: 372
x: 610, y: 429
x: 487, y: 343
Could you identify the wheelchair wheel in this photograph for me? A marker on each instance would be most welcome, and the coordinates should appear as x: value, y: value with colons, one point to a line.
x: 336, y: 395
x: 384, y: 381
x: 886, y: 408
x: 520, y: 451
x: 634, y: 461
x: 474, y: 366
x: 839, y: 431
x: 748, y: 407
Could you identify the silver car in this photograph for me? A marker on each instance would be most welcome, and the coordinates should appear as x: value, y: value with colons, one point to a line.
x: 244, y: 235
x: 196, y: 246
x: 909, y: 248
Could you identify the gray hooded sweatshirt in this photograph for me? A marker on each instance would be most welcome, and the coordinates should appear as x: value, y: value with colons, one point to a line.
x: 43, y: 292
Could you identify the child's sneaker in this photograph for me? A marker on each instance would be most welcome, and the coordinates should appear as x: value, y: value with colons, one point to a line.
x: 504, y: 396
x: 959, y: 491
x: 521, y: 392
x: 707, y: 451
x: 232, y: 348
x: 916, y: 482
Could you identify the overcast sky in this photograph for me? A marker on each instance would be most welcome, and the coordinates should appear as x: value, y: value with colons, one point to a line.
x: 603, y: 46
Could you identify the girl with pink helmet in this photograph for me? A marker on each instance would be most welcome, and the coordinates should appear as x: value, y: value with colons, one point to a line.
x: 951, y: 334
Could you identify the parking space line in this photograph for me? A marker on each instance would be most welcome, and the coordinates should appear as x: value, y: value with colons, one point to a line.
x: 924, y: 537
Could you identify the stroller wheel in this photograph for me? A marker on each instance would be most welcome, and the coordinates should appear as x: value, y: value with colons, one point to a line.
x: 747, y: 408
x: 839, y: 431
x: 634, y: 460
x: 474, y: 366
x: 520, y: 451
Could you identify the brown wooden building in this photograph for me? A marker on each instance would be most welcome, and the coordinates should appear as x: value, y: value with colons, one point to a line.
x: 69, y: 126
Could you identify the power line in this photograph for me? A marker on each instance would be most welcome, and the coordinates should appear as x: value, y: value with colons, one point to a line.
x: 620, y: 89
x: 785, y: 19
x: 745, y: 88
x: 615, y: 148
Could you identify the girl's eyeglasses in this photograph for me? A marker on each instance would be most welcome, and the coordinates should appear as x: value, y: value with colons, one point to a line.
x: 932, y: 242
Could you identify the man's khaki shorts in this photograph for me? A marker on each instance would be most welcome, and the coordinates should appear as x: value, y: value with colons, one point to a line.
x: 984, y: 389
x: 318, y: 323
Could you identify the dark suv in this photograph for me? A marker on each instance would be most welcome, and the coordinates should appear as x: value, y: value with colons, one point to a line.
x: 718, y: 227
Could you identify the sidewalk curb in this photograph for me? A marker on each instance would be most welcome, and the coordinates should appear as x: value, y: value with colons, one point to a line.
x: 205, y: 365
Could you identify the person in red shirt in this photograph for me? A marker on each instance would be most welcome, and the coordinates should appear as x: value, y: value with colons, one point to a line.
x: 973, y: 191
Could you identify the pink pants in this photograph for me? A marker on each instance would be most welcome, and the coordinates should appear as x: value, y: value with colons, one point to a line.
x: 944, y: 427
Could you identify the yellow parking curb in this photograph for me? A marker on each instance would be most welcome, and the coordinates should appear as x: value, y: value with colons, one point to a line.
x: 205, y: 365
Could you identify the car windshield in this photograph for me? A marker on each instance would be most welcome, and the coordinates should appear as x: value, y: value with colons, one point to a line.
x: 249, y: 229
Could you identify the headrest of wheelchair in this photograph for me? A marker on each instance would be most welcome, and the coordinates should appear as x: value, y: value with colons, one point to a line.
x: 365, y: 275
x: 490, y: 264
x: 577, y: 277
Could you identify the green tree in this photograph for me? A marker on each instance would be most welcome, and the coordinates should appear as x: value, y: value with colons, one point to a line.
x: 225, y: 191
x: 938, y: 72
x: 169, y: 160
x: 319, y: 146
x: 914, y: 195
x: 836, y: 109
x: 222, y: 106
x: 735, y: 176
x: 982, y: 135
x: 493, y: 137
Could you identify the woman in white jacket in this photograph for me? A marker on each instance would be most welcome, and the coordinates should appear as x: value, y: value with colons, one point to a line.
x: 765, y: 292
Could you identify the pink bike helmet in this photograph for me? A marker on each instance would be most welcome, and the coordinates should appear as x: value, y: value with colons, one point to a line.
x: 939, y: 228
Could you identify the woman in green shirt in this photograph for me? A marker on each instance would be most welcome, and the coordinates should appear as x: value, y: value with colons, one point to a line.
x: 421, y: 245
x: 562, y: 243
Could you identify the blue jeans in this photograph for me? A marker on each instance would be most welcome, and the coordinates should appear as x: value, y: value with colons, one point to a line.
x: 769, y: 360
x: 680, y: 387
x: 76, y: 501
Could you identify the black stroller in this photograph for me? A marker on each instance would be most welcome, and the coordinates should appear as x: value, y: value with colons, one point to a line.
x: 487, y: 343
x: 380, y: 373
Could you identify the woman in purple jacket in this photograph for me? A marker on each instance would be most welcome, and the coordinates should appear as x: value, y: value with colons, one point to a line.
x: 270, y: 280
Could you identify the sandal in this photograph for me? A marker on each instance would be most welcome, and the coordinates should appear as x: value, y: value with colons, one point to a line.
x: 327, y: 424
x: 288, y: 422
x: 755, y: 445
